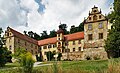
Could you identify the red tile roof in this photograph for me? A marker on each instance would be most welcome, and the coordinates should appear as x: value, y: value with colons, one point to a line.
x: 22, y: 36
x: 74, y: 36
x: 47, y: 41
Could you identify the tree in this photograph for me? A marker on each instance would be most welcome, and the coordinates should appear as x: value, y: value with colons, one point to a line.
x: 53, y: 33
x: 81, y: 27
x: 36, y: 36
x: 112, y: 46
x: 4, y: 53
x: 64, y: 28
x: 44, y: 35
x: 31, y: 34
x: 73, y: 29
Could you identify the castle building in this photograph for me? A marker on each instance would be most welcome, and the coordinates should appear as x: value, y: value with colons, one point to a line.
x: 77, y: 46
x: 16, y: 40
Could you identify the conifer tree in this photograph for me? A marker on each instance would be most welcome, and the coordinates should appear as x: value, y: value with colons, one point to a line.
x: 112, y: 46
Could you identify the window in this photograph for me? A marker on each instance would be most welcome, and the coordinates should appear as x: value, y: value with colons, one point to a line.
x: 18, y: 41
x: 94, y: 17
x: 45, y: 47
x: 79, y: 49
x: 95, y: 11
x: 89, y: 36
x: 59, y: 38
x: 89, y: 18
x: 73, y: 42
x: 79, y: 42
x: 100, y: 25
x: 99, y: 16
x: 10, y: 47
x: 49, y: 46
x: 66, y: 43
x: 36, y: 52
x: 35, y: 47
x: 54, y: 45
x: 58, y: 35
x: 89, y: 26
x: 67, y: 50
x: 100, y: 35
x: 73, y: 49
x: 31, y: 45
x: 40, y: 48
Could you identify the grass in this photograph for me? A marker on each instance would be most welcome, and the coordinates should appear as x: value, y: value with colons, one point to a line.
x: 96, y: 66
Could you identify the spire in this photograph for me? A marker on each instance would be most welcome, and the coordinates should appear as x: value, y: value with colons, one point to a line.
x: 89, y: 12
x: 100, y: 10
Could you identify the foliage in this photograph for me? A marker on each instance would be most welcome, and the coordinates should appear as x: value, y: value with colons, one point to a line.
x: 59, y: 56
x: 27, y: 62
x: 112, y: 44
x: 64, y: 28
x: 52, y: 33
x: 50, y: 55
x: 18, y: 53
x: 25, y: 59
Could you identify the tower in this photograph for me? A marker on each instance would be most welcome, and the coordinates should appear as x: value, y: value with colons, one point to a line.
x: 60, y: 38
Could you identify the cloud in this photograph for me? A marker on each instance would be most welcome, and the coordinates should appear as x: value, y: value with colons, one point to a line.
x: 39, y: 15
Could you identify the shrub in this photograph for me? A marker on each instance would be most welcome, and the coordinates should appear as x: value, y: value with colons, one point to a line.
x: 4, y: 56
x: 27, y: 62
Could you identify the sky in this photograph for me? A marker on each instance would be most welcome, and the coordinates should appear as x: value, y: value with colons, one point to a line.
x: 40, y: 15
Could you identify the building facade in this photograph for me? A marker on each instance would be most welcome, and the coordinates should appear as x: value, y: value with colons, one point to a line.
x: 16, y: 40
x: 77, y: 46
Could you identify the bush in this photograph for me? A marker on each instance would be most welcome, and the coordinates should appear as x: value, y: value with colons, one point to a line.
x: 4, y: 56
x: 27, y: 62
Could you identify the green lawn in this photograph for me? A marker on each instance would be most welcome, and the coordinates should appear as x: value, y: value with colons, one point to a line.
x: 95, y: 66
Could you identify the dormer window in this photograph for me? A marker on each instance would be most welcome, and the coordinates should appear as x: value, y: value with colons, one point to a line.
x: 95, y: 17
x: 99, y: 16
x: 89, y: 26
x: 89, y: 18
x: 95, y: 11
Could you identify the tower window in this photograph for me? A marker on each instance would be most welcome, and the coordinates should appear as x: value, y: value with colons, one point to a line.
x: 10, y: 47
x: 100, y: 35
x: 58, y: 35
x: 73, y: 49
x: 79, y: 42
x: 89, y: 18
x: 99, y: 16
x: 89, y: 36
x: 79, y: 49
x: 73, y: 42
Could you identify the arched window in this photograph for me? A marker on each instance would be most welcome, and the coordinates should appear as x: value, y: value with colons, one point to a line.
x: 94, y: 17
